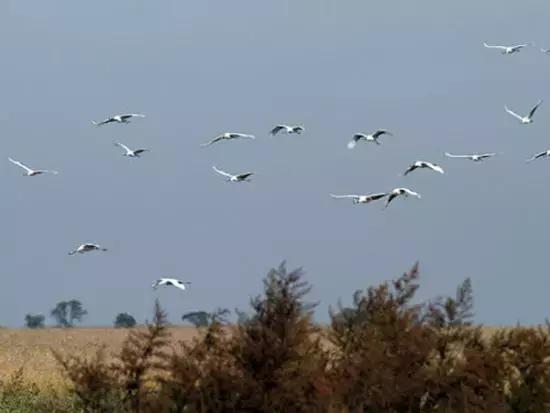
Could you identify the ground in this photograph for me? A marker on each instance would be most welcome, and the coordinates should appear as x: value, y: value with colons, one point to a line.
x: 31, y: 349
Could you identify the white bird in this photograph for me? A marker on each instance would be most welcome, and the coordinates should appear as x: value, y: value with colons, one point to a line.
x: 424, y: 164
x: 244, y: 177
x: 476, y: 157
x: 360, y: 199
x: 122, y: 118
x: 182, y: 285
x: 525, y: 120
x: 297, y: 129
x: 507, y: 50
x: 229, y: 136
x: 83, y: 248
x: 129, y: 152
x: 32, y: 172
x: 373, y: 137
x: 543, y: 154
x: 401, y: 192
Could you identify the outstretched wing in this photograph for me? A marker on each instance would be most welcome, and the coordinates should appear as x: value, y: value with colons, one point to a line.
x: 344, y: 196
x: 535, y: 109
x: 435, y: 167
x: 518, y: 47
x: 244, y: 176
x: 375, y: 197
x: 179, y: 284
x: 216, y: 139
x: 21, y: 165
x: 493, y: 47
x: 241, y: 136
x: 103, y: 122
x: 277, y: 129
x: 410, y: 169
x: 121, y: 145
x: 511, y: 112
x: 227, y: 175
x: 139, y: 151
x: 381, y: 132
x: 391, y: 198
x: 486, y: 155
x: 47, y: 171
x: 450, y: 155
x: 126, y: 116
x: 537, y: 156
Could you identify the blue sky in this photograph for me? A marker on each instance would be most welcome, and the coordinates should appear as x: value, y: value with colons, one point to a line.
x: 199, y: 68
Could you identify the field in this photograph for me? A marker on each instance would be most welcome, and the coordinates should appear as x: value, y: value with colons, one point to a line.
x: 30, y: 349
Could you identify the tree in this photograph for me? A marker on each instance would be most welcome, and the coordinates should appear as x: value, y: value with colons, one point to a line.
x: 34, y: 321
x: 66, y: 313
x: 205, y: 319
x: 124, y: 320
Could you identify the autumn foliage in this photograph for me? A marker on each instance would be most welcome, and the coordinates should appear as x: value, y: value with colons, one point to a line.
x: 385, y: 352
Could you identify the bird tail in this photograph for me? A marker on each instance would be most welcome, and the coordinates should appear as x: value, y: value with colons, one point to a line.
x: 73, y: 252
x: 95, y: 123
x: 351, y: 144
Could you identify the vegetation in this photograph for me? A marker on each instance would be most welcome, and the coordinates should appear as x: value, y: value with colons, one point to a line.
x: 205, y: 319
x: 66, y: 313
x: 383, y: 353
x: 34, y: 321
x: 124, y: 320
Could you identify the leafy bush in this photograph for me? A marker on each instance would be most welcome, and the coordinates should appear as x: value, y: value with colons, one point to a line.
x: 124, y: 320
x: 34, y: 321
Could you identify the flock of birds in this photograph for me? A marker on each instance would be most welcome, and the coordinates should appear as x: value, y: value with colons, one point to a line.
x: 373, y: 137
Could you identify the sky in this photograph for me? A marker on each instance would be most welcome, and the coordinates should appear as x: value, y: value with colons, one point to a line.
x: 202, y: 67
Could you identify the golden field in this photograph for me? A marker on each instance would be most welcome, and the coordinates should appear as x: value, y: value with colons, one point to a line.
x: 31, y: 349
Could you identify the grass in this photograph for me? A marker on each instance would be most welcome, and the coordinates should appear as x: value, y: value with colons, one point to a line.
x: 31, y: 349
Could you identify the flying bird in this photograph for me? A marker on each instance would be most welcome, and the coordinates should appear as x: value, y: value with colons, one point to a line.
x: 182, y: 285
x: 129, y: 152
x: 87, y: 248
x: 543, y: 154
x: 525, y: 120
x: 123, y: 118
x: 229, y: 136
x: 32, y: 172
x: 297, y: 129
x: 360, y: 199
x: 424, y: 164
x: 507, y: 50
x: 401, y: 192
x: 245, y: 177
x: 545, y: 51
x: 476, y: 157
x: 373, y: 137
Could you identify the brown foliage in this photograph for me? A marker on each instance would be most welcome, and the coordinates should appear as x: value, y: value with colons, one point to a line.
x: 384, y: 354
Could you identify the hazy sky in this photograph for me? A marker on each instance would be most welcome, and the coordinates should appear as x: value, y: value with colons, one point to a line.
x: 198, y: 68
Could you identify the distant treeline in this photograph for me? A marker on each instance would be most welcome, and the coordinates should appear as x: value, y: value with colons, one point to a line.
x: 383, y: 354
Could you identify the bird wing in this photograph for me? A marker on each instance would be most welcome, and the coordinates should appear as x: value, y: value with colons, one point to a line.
x: 344, y: 196
x: 536, y: 156
x: 138, y: 151
x: 222, y: 172
x: 450, y: 155
x: 241, y: 136
x: 410, y: 169
x: 121, y: 145
x: 26, y: 168
x: 277, y: 129
x: 391, y: 198
x: 518, y: 46
x: 374, y: 197
x: 535, y: 109
x: 511, y: 112
x: 216, y: 139
x: 298, y: 129
x: 434, y: 167
x: 381, y: 132
x: 245, y: 175
x: 157, y: 283
x: 179, y: 284
x: 131, y: 115
x: 47, y: 171
x: 486, y: 155
x: 103, y: 122
x: 494, y: 47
